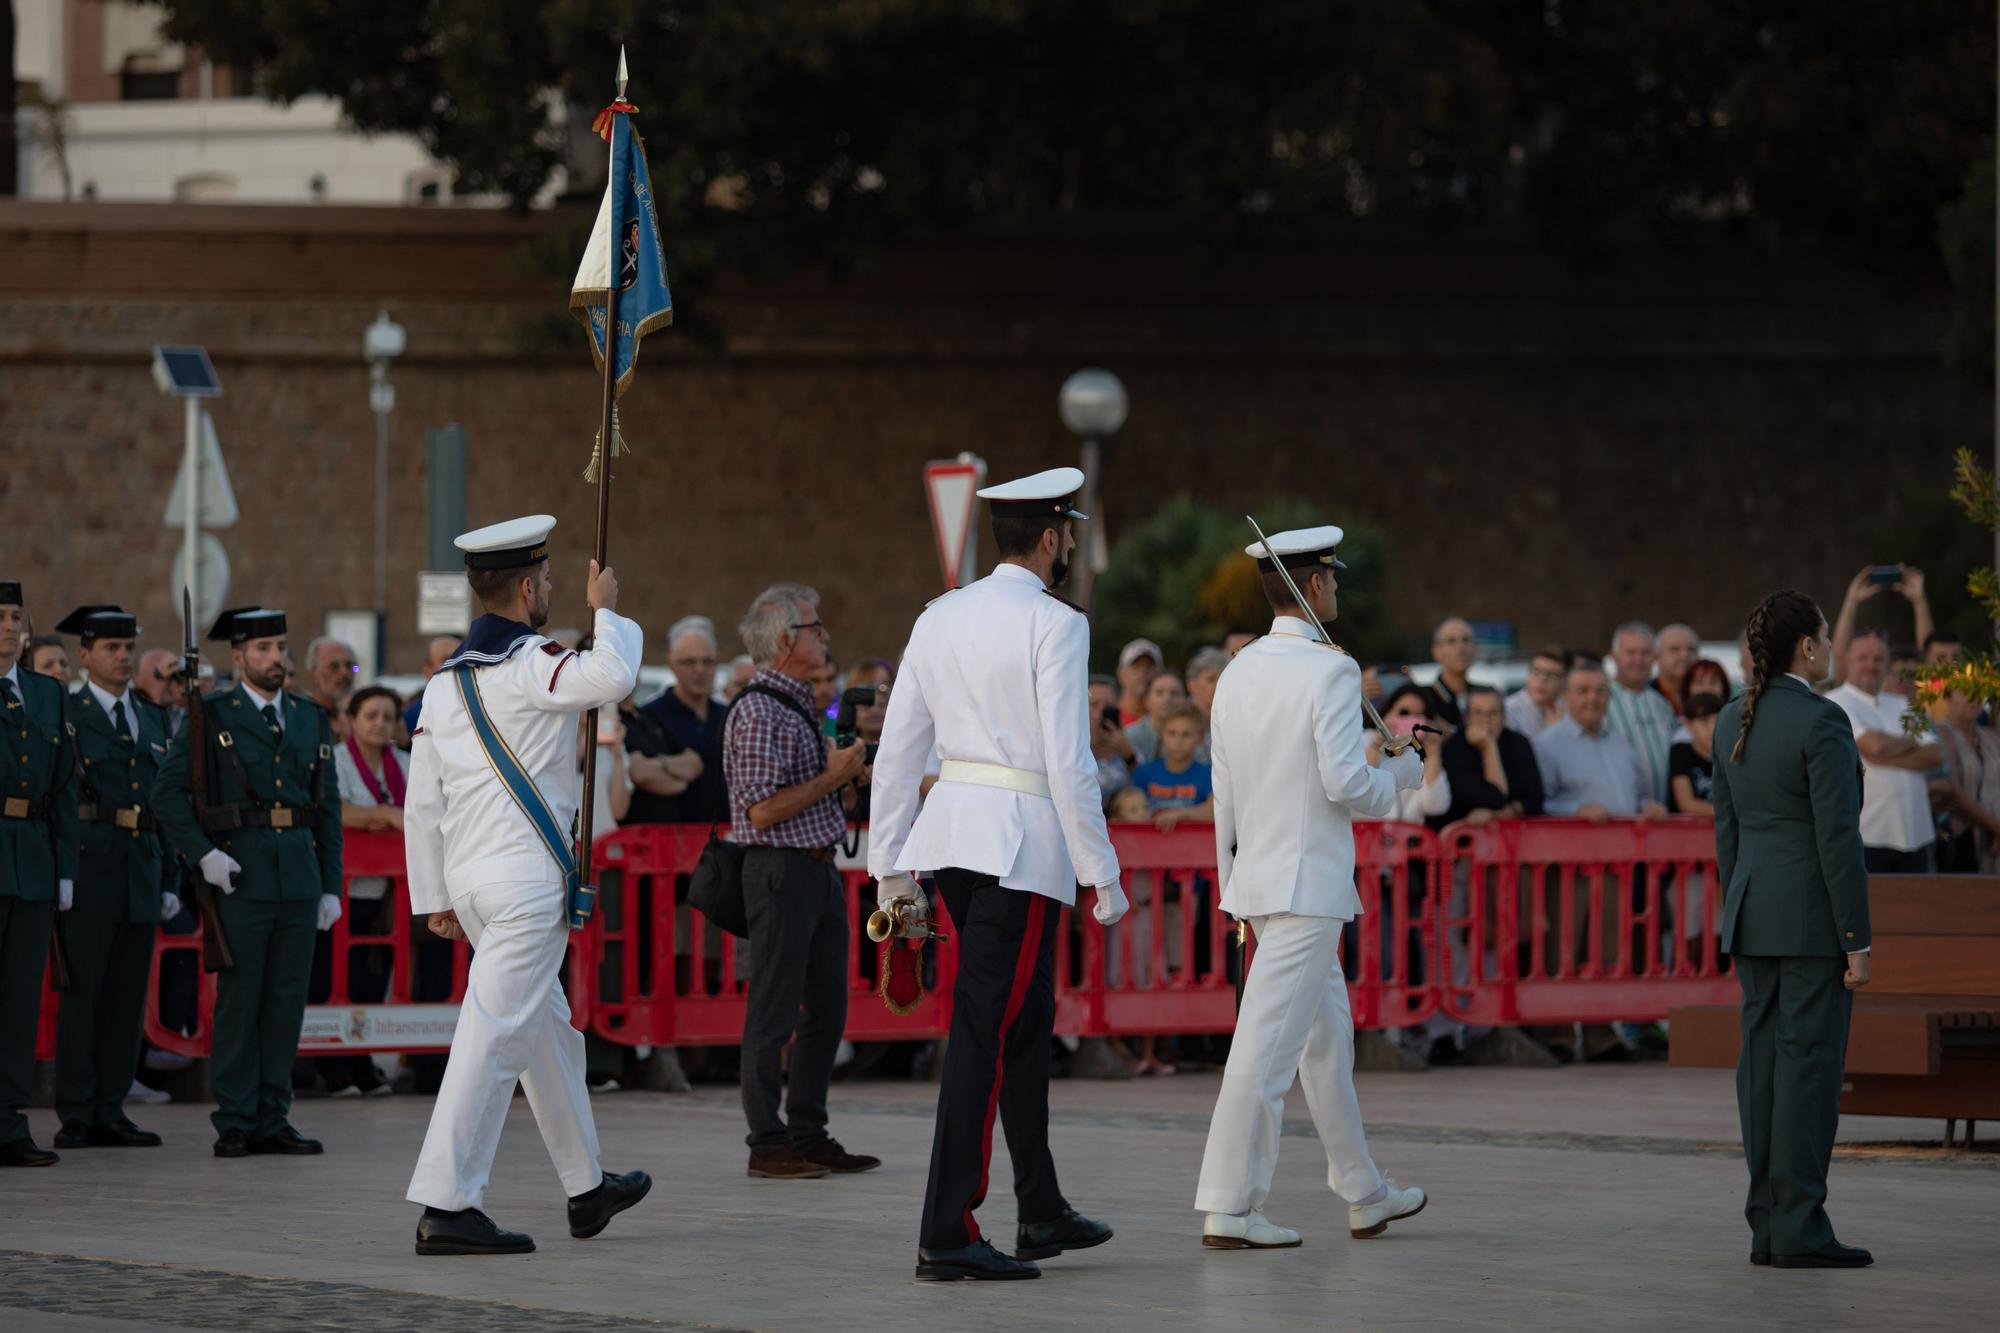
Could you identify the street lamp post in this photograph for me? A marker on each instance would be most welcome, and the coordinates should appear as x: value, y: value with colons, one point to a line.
x: 382, y: 343
x: 1092, y: 404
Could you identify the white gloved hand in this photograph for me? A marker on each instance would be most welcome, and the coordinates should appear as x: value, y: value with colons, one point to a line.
x: 1111, y: 904
x: 1406, y: 768
x: 65, y: 894
x: 896, y: 886
x: 170, y: 906
x: 329, y: 911
x: 217, y: 866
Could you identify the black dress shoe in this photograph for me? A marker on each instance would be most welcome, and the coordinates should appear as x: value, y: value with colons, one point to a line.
x: 121, y: 1133
x: 1831, y: 1255
x: 468, y: 1231
x: 829, y: 1154
x: 232, y: 1143
x: 978, y: 1261
x: 23, y: 1152
x: 286, y: 1142
x: 1761, y: 1258
x: 73, y: 1134
x: 591, y: 1213
x: 1070, y: 1231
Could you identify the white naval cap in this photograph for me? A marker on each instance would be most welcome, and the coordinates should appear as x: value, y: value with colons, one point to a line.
x: 1051, y: 492
x: 515, y: 544
x: 1299, y: 548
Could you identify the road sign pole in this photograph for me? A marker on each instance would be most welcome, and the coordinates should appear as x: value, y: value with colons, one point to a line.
x: 192, y: 536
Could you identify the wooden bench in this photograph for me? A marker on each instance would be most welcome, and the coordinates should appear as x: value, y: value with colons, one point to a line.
x: 1925, y: 1040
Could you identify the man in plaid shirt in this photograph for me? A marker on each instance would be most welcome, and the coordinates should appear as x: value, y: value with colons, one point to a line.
x: 785, y: 783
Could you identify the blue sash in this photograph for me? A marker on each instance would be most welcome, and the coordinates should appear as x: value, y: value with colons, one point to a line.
x: 582, y: 898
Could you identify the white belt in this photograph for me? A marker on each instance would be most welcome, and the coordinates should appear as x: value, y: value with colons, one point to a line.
x: 1025, y: 781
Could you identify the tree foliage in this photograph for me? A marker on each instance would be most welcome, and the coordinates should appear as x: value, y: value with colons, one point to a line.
x: 1976, y: 675
x: 1181, y: 579
x: 806, y: 131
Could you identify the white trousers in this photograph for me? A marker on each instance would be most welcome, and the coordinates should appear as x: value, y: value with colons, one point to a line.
x: 513, y: 1026
x: 1295, y: 1022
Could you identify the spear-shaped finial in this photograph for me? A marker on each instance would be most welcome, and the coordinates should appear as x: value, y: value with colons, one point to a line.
x: 622, y: 76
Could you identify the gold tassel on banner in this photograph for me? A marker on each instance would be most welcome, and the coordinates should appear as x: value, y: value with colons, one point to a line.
x: 618, y: 446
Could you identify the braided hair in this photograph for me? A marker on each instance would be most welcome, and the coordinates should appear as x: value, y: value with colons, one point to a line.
x: 1776, y: 626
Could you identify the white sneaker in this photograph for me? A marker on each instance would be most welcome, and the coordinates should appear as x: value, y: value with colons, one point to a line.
x: 343, y: 1093
x: 146, y: 1096
x: 602, y: 1087
x: 1372, y: 1219
x: 1225, y: 1231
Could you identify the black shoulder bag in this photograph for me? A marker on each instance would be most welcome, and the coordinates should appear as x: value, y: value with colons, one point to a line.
x: 715, y: 889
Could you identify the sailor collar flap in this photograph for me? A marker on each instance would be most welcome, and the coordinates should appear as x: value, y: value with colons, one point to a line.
x: 490, y: 641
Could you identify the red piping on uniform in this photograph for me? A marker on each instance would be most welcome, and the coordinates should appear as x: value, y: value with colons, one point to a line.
x: 1024, y: 972
x: 558, y: 671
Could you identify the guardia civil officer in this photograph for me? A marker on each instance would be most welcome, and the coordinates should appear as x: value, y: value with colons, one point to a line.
x: 124, y: 889
x: 1291, y: 772
x: 264, y: 830
x: 38, y: 863
x: 996, y: 677
x: 492, y: 770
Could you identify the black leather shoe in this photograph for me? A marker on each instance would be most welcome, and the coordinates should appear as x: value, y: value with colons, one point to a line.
x: 232, y: 1143
x: 73, y: 1134
x: 829, y: 1154
x: 467, y: 1232
x: 286, y: 1142
x: 1761, y: 1258
x: 591, y: 1213
x: 1831, y: 1255
x: 1070, y: 1231
x: 978, y: 1261
x: 121, y: 1133
x: 23, y: 1152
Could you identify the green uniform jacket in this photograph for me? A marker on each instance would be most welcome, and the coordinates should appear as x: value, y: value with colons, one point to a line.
x: 124, y: 871
x: 255, y: 769
x: 37, y: 761
x: 1788, y: 828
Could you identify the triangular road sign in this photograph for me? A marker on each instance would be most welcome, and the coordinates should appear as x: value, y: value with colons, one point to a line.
x: 951, y: 487
x: 218, y: 497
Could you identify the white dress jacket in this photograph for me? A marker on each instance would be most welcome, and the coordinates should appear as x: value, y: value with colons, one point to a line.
x: 461, y: 827
x: 1291, y: 774
x: 996, y: 673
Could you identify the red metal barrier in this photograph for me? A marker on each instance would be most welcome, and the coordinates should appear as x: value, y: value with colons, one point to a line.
x: 1558, y: 920
x: 1500, y: 923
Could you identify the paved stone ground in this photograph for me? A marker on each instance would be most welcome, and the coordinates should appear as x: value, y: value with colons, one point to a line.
x: 1564, y: 1199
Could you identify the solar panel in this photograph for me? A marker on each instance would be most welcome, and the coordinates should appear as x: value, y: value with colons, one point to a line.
x: 185, y: 372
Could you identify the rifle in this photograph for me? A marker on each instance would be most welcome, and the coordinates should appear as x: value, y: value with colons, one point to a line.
x: 215, y: 954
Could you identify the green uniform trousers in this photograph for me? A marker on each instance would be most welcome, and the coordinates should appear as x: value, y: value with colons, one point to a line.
x: 103, y: 1016
x: 259, y: 1006
x: 1795, y: 1013
x: 24, y: 959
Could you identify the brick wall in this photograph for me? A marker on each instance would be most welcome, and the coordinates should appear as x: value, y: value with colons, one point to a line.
x: 1669, y: 438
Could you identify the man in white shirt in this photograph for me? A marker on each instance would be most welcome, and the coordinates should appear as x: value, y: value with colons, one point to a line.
x: 1291, y: 773
x: 479, y: 870
x: 1897, y: 833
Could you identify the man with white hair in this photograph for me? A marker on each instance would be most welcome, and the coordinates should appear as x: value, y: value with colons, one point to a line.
x: 1639, y: 714
x: 1679, y: 646
x: 692, y: 715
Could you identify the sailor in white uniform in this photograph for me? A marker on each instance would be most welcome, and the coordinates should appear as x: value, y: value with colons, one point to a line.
x: 1291, y: 773
x: 479, y: 871
x: 996, y: 676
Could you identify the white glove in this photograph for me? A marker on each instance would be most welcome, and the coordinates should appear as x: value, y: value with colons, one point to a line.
x: 170, y: 906
x: 1406, y: 768
x: 65, y: 894
x: 329, y: 911
x: 893, y: 887
x: 217, y: 866
x: 1111, y: 904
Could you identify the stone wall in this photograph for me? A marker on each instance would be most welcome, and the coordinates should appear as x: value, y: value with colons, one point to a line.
x: 1669, y: 437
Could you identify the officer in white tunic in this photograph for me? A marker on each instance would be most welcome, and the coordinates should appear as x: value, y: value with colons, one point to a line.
x: 479, y: 871
x: 1291, y: 773
x: 996, y: 676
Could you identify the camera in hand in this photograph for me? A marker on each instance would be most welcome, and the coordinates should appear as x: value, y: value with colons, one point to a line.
x: 845, y: 732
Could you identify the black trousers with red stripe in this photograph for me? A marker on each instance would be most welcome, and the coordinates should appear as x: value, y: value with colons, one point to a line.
x: 996, y: 1065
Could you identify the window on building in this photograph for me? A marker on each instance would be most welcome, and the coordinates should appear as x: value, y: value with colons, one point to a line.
x: 149, y: 85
